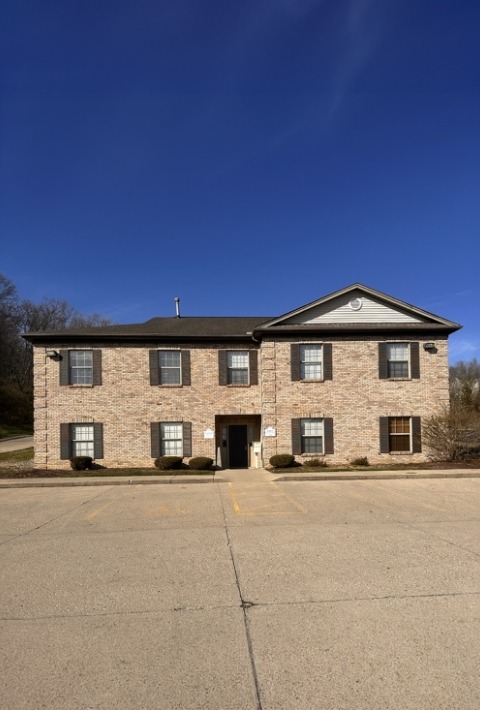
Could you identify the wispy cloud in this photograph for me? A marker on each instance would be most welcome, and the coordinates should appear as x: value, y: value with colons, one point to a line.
x: 463, y: 348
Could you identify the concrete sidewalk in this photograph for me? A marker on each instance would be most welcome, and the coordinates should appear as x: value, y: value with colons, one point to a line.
x: 236, y: 475
x: 15, y: 443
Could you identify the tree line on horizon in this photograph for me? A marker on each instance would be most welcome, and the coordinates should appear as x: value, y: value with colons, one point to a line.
x: 19, y: 316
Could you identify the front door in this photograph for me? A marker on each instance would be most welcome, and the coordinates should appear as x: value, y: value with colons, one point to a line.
x: 238, y: 446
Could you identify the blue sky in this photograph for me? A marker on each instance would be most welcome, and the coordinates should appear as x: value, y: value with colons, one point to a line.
x: 249, y: 157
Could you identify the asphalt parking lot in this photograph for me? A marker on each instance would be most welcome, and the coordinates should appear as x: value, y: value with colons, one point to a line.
x: 243, y: 595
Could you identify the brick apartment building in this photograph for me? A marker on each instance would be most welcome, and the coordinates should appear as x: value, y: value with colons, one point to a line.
x: 351, y: 374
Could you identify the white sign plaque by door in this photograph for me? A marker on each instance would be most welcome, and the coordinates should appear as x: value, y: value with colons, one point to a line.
x: 208, y: 434
x: 270, y: 431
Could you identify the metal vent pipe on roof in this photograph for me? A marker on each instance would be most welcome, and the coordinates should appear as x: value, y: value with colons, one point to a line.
x: 177, y: 306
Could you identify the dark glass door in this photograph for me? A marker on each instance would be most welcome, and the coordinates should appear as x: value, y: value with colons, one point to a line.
x: 238, y: 446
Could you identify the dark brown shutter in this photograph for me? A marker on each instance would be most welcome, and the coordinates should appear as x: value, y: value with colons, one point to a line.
x: 185, y: 360
x: 384, y: 436
x: 382, y: 361
x: 155, y: 450
x: 328, y: 434
x: 154, y: 369
x: 296, y: 437
x: 415, y: 361
x: 327, y: 361
x: 64, y: 369
x: 295, y: 361
x: 253, y: 363
x: 98, y: 440
x: 65, y: 441
x: 187, y: 438
x: 97, y: 369
x: 222, y: 367
x: 416, y: 435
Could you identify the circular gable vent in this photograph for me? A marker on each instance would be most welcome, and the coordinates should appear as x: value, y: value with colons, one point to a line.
x: 355, y: 304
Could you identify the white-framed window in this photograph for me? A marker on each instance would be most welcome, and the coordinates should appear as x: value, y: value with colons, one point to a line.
x: 311, y: 362
x: 312, y: 433
x: 398, y: 360
x: 171, y: 438
x: 82, y: 440
x: 238, y: 367
x: 400, y: 434
x: 170, y: 367
x: 81, y: 367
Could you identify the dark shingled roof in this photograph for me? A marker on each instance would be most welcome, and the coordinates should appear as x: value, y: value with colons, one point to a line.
x: 195, y: 328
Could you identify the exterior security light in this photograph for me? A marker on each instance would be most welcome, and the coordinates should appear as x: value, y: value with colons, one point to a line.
x: 52, y: 354
x: 429, y: 346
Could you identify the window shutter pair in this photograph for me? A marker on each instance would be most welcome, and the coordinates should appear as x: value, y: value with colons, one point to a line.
x: 295, y: 363
x: 416, y: 435
x: 327, y: 436
x: 156, y: 443
x: 155, y: 367
x: 66, y: 441
x: 223, y: 369
x: 96, y: 369
x: 414, y: 361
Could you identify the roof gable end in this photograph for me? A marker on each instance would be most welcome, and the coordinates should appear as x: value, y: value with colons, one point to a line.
x: 357, y: 305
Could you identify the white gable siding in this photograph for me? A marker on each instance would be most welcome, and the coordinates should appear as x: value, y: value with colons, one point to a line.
x: 338, y: 311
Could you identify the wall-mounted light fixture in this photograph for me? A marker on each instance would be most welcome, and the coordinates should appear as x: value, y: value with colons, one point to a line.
x: 429, y: 346
x: 52, y: 354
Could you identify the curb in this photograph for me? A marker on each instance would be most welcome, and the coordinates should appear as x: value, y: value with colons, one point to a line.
x: 379, y: 477
x: 64, y: 483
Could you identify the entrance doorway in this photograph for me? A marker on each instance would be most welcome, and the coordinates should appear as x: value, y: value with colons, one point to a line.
x: 238, y: 445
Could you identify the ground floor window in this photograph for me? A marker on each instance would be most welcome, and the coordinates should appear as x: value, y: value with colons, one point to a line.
x: 81, y: 439
x: 312, y: 436
x: 171, y: 438
x: 400, y: 435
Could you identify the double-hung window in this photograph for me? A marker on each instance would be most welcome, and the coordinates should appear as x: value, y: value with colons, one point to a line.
x: 312, y: 436
x: 82, y: 440
x: 311, y: 362
x: 400, y: 435
x: 237, y: 367
x: 171, y: 438
x: 81, y: 367
x: 398, y: 360
x: 170, y: 367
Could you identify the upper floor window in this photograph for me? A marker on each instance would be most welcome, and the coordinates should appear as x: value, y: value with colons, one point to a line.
x: 311, y: 362
x: 80, y: 367
x: 237, y: 367
x: 170, y: 367
x: 399, y: 360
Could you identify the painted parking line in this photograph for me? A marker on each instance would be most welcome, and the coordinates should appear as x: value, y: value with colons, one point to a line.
x: 91, y: 516
x: 264, y: 499
x: 165, y: 510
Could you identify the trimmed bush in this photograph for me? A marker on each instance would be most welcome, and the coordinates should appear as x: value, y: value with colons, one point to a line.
x: 282, y: 460
x: 81, y: 463
x: 360, y: 461
x: 168, y: 463
x: 201, y: 463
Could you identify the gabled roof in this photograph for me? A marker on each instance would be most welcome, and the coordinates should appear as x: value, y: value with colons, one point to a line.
x: 357, y: 308
x: 336, y: 314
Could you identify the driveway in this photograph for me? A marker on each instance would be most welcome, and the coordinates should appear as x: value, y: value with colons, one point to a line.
x: 15, y: 444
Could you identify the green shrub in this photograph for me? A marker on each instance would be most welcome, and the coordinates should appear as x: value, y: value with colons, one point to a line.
x: 201, y: 463
x: 282, y: 460
x: 315, y: 463
x: 81, y: 463
x: 360, y: 461
x: 168, y: 463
